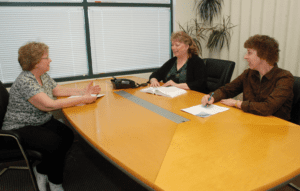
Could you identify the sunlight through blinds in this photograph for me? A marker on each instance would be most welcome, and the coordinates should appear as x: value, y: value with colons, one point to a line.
x: 127, y: 38
x: 61, y: 28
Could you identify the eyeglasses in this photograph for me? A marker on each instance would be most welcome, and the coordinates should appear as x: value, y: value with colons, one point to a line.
x: 46, y: 58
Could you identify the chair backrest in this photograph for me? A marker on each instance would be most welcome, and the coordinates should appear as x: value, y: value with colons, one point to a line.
x: 295, y: 113
x: 3, y: 102
x: 219, y: 72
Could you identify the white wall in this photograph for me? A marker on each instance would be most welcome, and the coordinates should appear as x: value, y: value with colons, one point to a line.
x: 184, y: 12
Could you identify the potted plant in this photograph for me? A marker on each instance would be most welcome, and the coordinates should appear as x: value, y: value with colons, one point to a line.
x: 218, y: 35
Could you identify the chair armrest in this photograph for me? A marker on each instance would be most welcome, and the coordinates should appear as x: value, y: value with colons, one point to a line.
x: 12, y: 134
x: 9, y: 144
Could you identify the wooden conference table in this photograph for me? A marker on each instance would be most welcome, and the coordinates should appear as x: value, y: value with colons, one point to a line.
x: 232, y: 150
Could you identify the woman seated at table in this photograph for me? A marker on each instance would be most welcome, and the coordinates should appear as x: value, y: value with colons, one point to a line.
x: 267, y: 89
x: 30, y: 100
x: 186, y: 70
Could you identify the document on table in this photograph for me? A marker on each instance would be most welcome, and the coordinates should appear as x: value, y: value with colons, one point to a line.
x: 98, y: 95
x: 202, y: 111
x: 170, y: 91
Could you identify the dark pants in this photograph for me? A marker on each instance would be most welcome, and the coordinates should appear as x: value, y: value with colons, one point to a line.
x: 53, y: 139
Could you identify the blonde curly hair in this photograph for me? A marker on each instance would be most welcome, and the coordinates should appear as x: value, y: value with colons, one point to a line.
x: 186, y: 39
x: 31, y: 54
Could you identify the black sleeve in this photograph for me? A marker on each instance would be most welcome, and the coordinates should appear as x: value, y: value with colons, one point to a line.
x: 162, y: 72
x: 197, y: 74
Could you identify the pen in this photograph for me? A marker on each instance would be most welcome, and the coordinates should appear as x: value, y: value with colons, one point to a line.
x: 210, y: 98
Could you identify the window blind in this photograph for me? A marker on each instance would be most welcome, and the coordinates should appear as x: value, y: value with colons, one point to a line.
x: 134, y: 1
x: 61, y: 28
x: 128, y: 38
x: 44, y: 1
x: 92, y: 1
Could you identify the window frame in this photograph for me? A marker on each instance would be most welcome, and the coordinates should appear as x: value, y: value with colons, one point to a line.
x: 85, y: 6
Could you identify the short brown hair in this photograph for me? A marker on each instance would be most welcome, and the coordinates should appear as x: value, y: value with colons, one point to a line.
x: 31, y: 54
x: 267, y: 47
x: 186, y: 39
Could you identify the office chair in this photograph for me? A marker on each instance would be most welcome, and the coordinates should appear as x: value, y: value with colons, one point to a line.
x: 219, y: 72
x: 295, y: 113
x: 11, y: 148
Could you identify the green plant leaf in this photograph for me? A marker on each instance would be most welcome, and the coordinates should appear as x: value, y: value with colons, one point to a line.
x: 220, y: 35
x: 208, y: 9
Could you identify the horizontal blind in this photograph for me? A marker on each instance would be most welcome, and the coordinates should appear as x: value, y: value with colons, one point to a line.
x: 127, y: 38
x: 44, y: 1
x: 134, y: 1
x: 91, y: 1
x: 61, y: 28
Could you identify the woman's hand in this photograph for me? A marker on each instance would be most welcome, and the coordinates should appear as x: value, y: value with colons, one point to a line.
x: 90, y: 89
x: 169, y: 83
x: 205, y: 101
x: 229, y: 102
x: 232, y: 102
x: 154, y: 82
x: 87, y: 98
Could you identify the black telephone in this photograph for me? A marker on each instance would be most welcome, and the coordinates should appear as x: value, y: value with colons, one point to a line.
x: 123, y: 83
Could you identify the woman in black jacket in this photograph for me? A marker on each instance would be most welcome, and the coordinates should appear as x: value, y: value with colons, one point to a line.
x: 186, y: 70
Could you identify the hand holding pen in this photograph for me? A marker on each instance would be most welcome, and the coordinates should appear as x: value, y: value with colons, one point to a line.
x: 207, y: 100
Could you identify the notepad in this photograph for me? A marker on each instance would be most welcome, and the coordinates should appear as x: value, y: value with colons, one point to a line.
x: 98, y: 95
x: 170, y: 91
x: 202, y: 111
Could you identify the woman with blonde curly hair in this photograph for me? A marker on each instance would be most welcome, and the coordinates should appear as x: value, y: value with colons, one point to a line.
x: 186, y: 70
x: 267, y: 89
x: 31, y: 97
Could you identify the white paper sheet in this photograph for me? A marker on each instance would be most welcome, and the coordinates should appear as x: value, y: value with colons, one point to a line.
x: 203, y: 111
x: 98, y: 95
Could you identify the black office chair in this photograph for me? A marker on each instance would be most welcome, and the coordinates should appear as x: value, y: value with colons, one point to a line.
x: 11, y: 143
x: 219, y: 72
x: 295, y: 113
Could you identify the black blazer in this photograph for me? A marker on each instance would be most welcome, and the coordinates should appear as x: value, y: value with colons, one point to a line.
x: 196, y: 75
